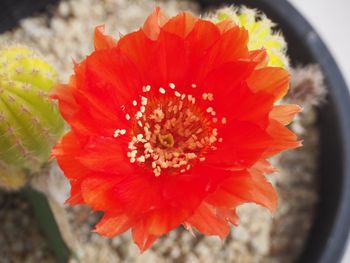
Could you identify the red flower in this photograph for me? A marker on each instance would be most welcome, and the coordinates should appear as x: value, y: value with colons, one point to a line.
x: 171, y: 125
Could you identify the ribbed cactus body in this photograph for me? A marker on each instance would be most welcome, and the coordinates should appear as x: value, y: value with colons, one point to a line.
x: 261, y: 32
x: 29, y: 121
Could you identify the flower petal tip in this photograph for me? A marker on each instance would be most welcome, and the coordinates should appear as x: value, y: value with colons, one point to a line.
x: 102, y: 41
x: 189, y: 228
x: 154, y: 22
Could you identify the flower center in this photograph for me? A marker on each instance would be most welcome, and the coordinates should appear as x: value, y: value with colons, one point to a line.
x: 166, y: 140
x: 170, y: 133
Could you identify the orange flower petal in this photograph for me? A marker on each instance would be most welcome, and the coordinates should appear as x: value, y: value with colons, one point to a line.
x: 245, y: 188
x: 284, y: 113
x: 66, y: 152
x: 180, y: 25
x: 226, y: 25
x: 237, y: 155
x: 153, y: 23
x: 142, y: 238
x: 97, y: 192
x: 105, y: 155
x: 113, y: 225
x: 260, y: 57
x: 207, y: 221
x: 271, y: 80
x: 223, y: 52
x: 262, y: 167
x: 161, y: 221
x: 76, y: 197
x: 282, y: 139
x: 229, y: 215
x: 66, y: 101
x: 201, y: 39
x: 102, y: 41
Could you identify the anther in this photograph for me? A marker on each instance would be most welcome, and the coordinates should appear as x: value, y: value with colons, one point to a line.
x: 209, y: 109
x: 146, y: 88
x: 144, y: 101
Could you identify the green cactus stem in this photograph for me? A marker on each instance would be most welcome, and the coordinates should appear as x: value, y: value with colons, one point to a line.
x: 29, y: 122
x: 45, y: 215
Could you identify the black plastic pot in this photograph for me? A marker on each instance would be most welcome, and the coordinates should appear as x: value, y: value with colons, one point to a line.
x: 329, y: 233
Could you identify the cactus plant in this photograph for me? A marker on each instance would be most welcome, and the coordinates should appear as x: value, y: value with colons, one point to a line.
x: 29, y: 121
x: 261, y: 32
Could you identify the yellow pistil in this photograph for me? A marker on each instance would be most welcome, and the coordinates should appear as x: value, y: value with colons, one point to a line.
x: 166, y: 140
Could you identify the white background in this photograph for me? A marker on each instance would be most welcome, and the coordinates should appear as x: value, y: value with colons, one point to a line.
x: 331, y: 19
